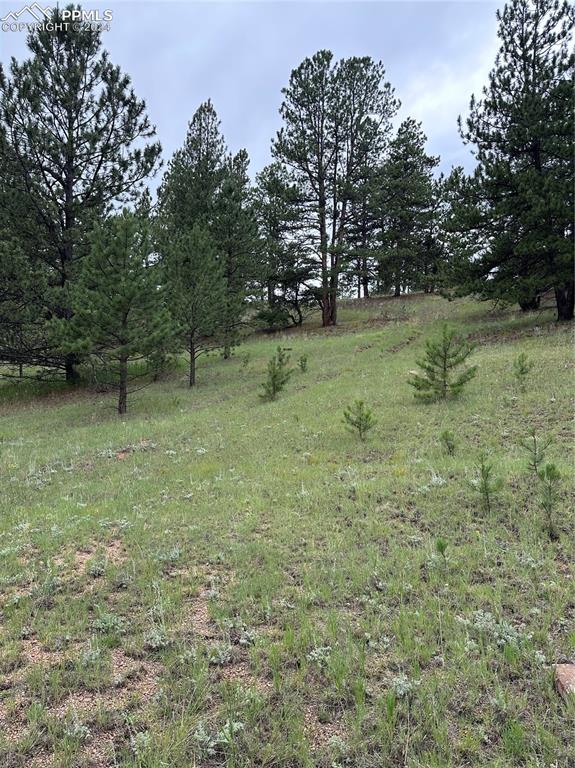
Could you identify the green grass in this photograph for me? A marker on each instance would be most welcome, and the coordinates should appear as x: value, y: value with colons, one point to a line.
x: 216, y: 580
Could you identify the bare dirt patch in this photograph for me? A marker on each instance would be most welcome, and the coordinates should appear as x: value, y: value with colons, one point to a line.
x: 242, y: 673
x: 318, y: 733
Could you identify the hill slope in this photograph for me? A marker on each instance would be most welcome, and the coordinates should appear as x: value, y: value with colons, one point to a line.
x: 220, y: 581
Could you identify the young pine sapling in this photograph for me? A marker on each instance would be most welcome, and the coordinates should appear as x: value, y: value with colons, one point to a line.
x: 535, y: 450
x: 359, y: 418
x: 447, y: 440
x: 550, y: 478
x: 522, y: 366
x: 487, y: 484
x: 278, y: 375
x: 440, y: 364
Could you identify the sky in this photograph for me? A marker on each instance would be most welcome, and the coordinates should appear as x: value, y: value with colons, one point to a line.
x: 240, y: 54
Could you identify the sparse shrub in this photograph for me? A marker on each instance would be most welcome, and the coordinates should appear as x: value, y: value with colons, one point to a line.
x: 205, y: 742
x: 96, y: 568
x: 109, y: 623
x: 76, y: 730
x: 485, y: 625
x: 486, y: 483
x: 403, y: 687
x: 220, y: 655
x: 140, y: 743
x: 156, y: 639
x: 359, y: 418
x: 447, y: 440
x: 43, y: 593
x: 535, y: 450
x: 230, y: 729
x: 170, y: 556
x: 550, y: 478
x: 91, y: 656
x: 246, y: 360
x: 320, y: 655
x: 439, y: 365
x: 278, y: 375
x: 522, y: 366
x: 302, y: 362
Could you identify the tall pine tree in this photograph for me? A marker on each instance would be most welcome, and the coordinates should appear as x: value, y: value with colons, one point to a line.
x: 80, y: 140
x: 119, y: 314
x: 521, y: 197
x: 336, y: 117
x: 194, y: 282
x: 405, y: 202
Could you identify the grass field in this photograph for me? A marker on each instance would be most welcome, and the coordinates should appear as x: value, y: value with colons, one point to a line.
x: 215, y: 580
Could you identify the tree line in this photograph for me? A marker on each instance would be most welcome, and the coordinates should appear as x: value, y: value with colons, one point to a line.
x: 94, y: 273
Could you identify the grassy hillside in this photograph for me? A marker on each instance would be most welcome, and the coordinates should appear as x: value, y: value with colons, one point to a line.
x: 215, y: 580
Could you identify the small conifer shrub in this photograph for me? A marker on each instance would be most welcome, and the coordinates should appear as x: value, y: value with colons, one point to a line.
x: 486, y: 483
x: 359, y: 418
x: 440, y: 366
x: 278, y: 375
x: 447, y: 440
x: 535, y: 449
x: 522, y: 366
x: 550, y: 478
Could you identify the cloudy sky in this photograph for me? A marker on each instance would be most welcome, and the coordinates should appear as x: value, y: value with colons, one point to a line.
x: 240, y: 55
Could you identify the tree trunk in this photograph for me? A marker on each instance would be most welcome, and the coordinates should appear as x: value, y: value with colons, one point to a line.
x: 528, y: 305
x: 325, y: 308
x: 365, y: 279
x: 565, y: 295
x: 123, y: 394
x: 192, y: 378
x: 70, y: 368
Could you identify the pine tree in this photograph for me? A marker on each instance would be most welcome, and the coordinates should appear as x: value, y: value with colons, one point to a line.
x: 286, y: 268
x: 236, y: 235
x: 205, y: 203
x: 194, y: 282
x: 119, y: 311
x: 336, y: 118
x: 442, y: 359
x: 80, y: 138
x: 405, y: 203
x: 359, y: 418
x: 195, y: 173
x: 520, y: 200
x: 278, y: 375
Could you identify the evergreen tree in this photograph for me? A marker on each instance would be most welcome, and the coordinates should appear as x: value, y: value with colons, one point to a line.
x: 194, y: 282
x: 336, y: 118
x: 520, y: 203
x: 206, y: 213
x: 442, y: 359
x: 405, y: 202
x: 286, y: 268
x: 195, y: 173
x: 236, y: 235
x: 79, y: 137
x: 119, y: 314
